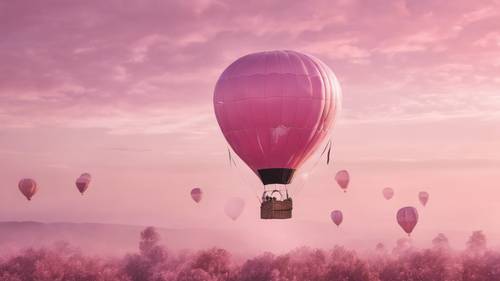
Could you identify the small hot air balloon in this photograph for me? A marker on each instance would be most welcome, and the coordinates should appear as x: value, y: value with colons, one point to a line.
x: 234, y: 207
x: 388, y: 193
x: 407, y: 218
x: 86, y: 175
x: 274, y: 109
x: 337, y: 217
x: 423, y: 197
x: 196, y: 194
x: 83, y: 182
x: 28, y: 187
x: 380, y: 247
x: 342, y: 178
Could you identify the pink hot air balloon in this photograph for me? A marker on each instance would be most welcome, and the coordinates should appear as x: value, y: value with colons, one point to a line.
x: 274, y: 108
x: 234, y: 207
x: 196, y: 194
x: 388, y: 193
x: 82, y: 183
x: 28, y: 187
x: 337, y: 217
x: 86, y: 175
x: 423, y: 197
x: 342, y: 178
x: 407, y: 218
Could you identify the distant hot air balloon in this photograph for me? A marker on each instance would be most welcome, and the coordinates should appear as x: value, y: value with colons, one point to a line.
x: 337, y: 217
x: 423, y: 197
x: 83, y: 182
x: 86, y: 175
x: 407, y: 218
x: 28, y: 187
x: 196, y: 194
x: 234, y: 207
x: 342, y: 178
x: 388, y: 193
x: 274, y: 108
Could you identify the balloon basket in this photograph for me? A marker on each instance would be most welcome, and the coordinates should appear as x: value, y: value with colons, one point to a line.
x: 272, y: 208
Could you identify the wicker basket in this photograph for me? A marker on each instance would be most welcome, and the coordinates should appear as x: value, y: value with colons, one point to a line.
x: 276, y: 209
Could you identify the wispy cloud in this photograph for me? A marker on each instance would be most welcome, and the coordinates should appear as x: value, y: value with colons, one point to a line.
x: 114, y: 65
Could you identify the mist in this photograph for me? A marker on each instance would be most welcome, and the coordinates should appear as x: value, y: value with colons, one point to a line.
x: 153, y: 261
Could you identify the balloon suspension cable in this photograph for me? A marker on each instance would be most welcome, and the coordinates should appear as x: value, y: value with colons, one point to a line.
x: 327, y: 150
x: 243, y: 178
x: 231, y: 160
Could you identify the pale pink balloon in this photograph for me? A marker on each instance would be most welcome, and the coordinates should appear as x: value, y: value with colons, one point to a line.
x: 234, y: 207
x: 388, y: 193
x: 407, y: 218
x: 423, y: 197
x: 342, y: 178
x: 196, y: 194
x: 82, y: 183
x: 337, y: 217
x: 380, y: 247
x: 28, y: 187
x: 274, y: 108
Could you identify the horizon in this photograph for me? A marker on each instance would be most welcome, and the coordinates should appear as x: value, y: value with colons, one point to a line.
x: 117, y: 240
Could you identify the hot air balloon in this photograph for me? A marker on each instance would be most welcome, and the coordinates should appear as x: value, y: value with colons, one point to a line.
x: 196, y: 194
x: 28, y: 187
x: 342, y: 178
x: 337, y: 217
x: 86, y: 175
x: 234, y: 207
x: 388, y: 193
x: 423, y: 197
x: 380, y: 247
x: 82, y: 182
x: 407, y: 218
x: 274, y: 109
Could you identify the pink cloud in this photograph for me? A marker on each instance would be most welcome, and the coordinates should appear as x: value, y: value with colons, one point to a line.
x: 90, y: 56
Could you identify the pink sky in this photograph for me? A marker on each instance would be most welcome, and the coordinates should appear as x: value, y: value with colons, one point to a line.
x: 124, y: 91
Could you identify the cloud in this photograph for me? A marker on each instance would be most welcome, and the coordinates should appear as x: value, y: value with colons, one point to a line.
x: 422, y: 41
x: 480, y: 14
x: 118, y: 65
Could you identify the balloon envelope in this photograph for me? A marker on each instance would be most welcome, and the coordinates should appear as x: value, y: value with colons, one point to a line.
x: 274, y: 108
x: 407, y: 218
x: 28, y: 187
x: 342, y: 178
x: 234, y: 207
x: 196, y: 194
x: 82, y: 183
x: 388, y: 193
x: 337, y: 217
x: 86, y: 175
x: 423, y: 197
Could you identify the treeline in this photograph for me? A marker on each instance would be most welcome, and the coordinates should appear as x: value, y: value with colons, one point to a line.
x: 154, y: 263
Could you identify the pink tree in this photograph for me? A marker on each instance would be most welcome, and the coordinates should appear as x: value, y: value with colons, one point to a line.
x: 150, y: 264
x: 215, y: 262
x: 476, y: 243
x: 440, y: 242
